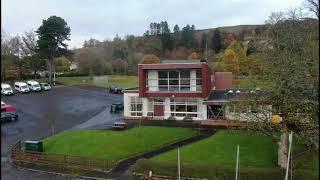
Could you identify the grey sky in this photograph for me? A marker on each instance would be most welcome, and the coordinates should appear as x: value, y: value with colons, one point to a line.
x: 103, y: 19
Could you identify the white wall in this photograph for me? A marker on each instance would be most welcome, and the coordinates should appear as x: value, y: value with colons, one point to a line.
x: 153, y: 80
x: 193, y: 80
x: 265, y: 116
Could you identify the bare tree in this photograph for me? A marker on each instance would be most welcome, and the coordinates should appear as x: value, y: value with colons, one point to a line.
x: 313, y: 6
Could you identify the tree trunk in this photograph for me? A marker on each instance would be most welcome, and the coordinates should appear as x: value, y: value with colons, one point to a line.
x: 283, y: 150
x: 35, y: 74
x: 50, y: 71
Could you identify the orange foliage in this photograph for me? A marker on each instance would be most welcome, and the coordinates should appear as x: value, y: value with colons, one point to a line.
x: 193, y: 56
x: 150, y: 59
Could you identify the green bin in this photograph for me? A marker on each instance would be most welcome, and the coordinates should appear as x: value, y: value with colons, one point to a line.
x: 33, y: 146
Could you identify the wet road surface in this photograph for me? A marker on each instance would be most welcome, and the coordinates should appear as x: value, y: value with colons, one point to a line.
x: 67, y: 106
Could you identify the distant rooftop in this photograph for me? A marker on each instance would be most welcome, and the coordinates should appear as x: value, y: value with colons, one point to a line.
x: 198, y: 61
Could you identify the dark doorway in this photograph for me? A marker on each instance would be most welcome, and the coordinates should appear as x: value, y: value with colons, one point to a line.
x: 215, y: 112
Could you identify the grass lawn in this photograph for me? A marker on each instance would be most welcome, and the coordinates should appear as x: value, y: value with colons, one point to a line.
x: 114, y: 80
x: 113, y: 145
x: 256, y: 150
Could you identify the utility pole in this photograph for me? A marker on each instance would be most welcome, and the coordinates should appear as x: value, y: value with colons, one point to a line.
x: 237, y: 165
x: 289, y: 154
x: 178, y: 163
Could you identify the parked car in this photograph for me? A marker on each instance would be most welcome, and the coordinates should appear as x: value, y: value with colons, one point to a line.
x: 45, y: 86
x: 21, y: 87
x: 119, y: 125
x: 34, y: 85
x: 115, y: 89
x: 6, y: 89
x: 116, y: 107
x: 8, y: 113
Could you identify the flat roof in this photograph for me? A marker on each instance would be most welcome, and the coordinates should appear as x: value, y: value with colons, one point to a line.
x: 183, y: 61
x: 227, y: 95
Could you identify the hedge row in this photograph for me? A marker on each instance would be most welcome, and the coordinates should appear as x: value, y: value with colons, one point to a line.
x: 214, y: 171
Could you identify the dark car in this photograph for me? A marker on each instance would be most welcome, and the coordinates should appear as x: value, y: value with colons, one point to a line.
x: 116, y: 107
x: 115, y: 89
x: 8, y: 113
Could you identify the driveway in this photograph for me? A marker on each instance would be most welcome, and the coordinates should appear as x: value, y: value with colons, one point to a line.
x: 75, y: 107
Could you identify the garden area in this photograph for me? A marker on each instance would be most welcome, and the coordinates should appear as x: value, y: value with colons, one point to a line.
x: 113, y: 145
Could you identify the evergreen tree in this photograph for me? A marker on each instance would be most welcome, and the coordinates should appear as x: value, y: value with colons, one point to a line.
x: 203, y: 42
x: 216, y: 41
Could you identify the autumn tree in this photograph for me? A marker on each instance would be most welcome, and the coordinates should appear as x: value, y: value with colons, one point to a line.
x: 193, y: 56
x: 61, y: 64
x: 52, y: 35
x: 150, y: 59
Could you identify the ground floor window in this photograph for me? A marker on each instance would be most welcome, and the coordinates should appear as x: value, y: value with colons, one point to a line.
x: 135, y: 106
x: 151, y: 105
x: 184, y: 107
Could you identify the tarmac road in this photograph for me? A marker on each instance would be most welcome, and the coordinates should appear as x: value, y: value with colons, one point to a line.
x: 68, y: 106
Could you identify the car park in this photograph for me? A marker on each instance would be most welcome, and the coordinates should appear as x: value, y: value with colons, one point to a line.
x: 45, y: 86
x: 21, y: 87
x: 6, y: 89
x: 115, y: 89
x: 8, y: 113
x: 34, y: 85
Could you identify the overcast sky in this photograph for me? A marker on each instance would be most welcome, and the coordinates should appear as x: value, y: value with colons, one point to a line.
x: 103, y: 19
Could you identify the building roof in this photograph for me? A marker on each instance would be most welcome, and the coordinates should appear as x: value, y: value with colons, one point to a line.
x: 231, y: 94
x: 181, y: 61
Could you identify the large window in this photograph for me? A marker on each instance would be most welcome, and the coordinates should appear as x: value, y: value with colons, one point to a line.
x: 177, y: 80
x: 135, y: 106
x: 184, y: 107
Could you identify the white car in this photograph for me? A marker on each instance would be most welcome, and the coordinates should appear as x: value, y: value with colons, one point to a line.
x: 3, y: 104
x: 45, y: 86
x: 6, y: 89
x: 21, y: 87
x: 34, y: 85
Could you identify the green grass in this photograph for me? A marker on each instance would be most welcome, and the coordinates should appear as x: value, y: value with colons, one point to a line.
x: 113, y: 145
x: 256, y: 150
x: 114, y: 80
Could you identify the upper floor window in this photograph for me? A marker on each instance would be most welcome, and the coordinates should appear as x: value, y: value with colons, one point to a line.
x: 176, y: 80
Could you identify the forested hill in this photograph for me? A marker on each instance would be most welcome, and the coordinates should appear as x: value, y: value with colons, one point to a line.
x: 121, y: 55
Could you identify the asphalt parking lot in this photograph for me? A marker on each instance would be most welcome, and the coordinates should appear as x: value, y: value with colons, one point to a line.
x: 76, y: 106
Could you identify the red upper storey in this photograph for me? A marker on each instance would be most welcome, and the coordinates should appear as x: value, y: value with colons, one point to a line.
x: 199, y: 87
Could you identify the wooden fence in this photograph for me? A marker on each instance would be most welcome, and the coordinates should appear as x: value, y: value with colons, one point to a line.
x: 57, y: 162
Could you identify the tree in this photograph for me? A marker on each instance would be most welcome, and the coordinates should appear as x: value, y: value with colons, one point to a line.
x: 61, y: 64
x: 176, y: 30
x: 231, y: 62
x: 203, y: 43
x: 193, y: 56
x: 292, y: 73
x: 313, y: 6
x: 52, y: 34
x: 34, y: 60
x: 150, y: 59
x: 240, y: 55
x: 216, y: 41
